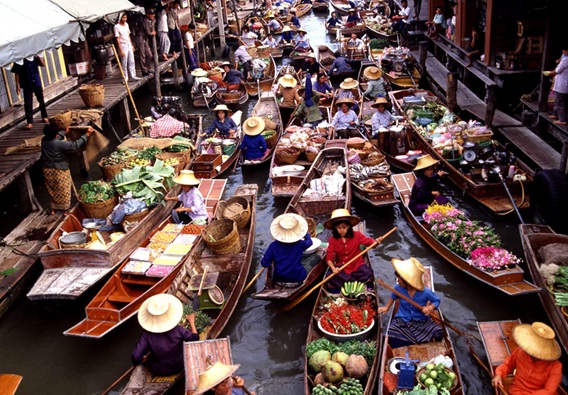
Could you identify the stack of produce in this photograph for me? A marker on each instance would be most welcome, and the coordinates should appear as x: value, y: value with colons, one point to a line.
x: 556, y: 277
x: 95, y: 191
x: 118, y: 157
x: 149, y: 183
x: 437, y: 375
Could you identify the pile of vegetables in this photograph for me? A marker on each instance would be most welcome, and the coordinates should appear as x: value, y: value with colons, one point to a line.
x: 366, y: 349
x: 118, y: 157
x: 184, y: 145
x: 202, y: 320
x: 149, y: 153
x: 438, y: 376
x: 557, y: 279
x: 378, y: 44
x: 149, y: 183
x: 95, y: 191
x: 431, y: 390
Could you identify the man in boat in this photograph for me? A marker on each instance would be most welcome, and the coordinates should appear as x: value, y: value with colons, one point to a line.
x: 411, y: 325
x: 285, y: 253
x: 535, y: 362
x: 219, y: 380
x: 345, y: 121
x: 340, y: 65
x: 355, y: 42
x: 294, y: 19
x: 352, y: 19
x: 270, y: 41
x: 376, y: 84
x: 310, y: 66
x: 233, y: 78
x: 287, y: 36
x: 333, y: 21
x: 163, y: 337
x: 243, y: 57
x: 273, y: 25
x: 193, y: 206
x: 248, y: 37
x: 423, y: 191
x: 402, y: 20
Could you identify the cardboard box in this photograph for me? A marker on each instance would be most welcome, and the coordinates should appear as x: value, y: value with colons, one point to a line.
x: 81, y: 68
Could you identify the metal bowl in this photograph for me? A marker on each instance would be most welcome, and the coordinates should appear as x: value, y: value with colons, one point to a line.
x: 74, y: 238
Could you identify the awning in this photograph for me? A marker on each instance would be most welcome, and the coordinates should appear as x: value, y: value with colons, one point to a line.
x: 90, y: 11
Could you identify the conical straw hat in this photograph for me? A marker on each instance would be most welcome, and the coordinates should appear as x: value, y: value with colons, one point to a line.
x: 341, y: 214
x: 186, y: 177
x: 349, y: 83
x: 372, y: 73
x: 214, y: 375
x: 253, y: 126
x: 160, y: 313
x: 287, y: 81
x: 345, y: 100
x: 221, y: 107
x: 425, y: 162
x: 199, y: 72
x: 288, y: 228
x: 537, y: 340
x: 411, y: 271
x: 379, y: 101
x: 287, y: 29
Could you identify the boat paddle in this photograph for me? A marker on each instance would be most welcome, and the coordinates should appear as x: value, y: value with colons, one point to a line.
x: 480, y: 362
x: 296, y: 301
x: 251, y: 282
x: 124, y: 375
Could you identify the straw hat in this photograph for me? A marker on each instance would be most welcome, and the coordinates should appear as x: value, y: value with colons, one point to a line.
x: 229, y: 64
x: 310, y: 55
x: 221, y: 107
x: 411, y: 271
x: 349, y: 83
x: 301, y: 30
x: 537, y: 340
x: 186, y: 177
x: 253, y: 126
x: 286, y: 29
x: 425, y: 162
x: 381, y: 101
x: 199, y: 72
x: 269, y: 14
x: 214, y: 375
x: 345, y: 100
x: 160, y: 313
x: 288, y: 228
x: 372, y: 73
x: 287, y: 81
x: 341, y: 214
x: 202, y: 80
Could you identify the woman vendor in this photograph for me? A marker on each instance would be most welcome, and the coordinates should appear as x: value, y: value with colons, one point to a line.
x: 288, y: 90
x: 535, y: 362
x: 382, y: 119
x: 163, y: 337
x: 302, y: 41
x: 55, y: 165
x: 224, y: 124
x: 411, y: 325
x: 285, y: 253
x: 423, y: 193
x: 333, y: 21
x: 192, y: 204
x: 287, y: 36
x: 345, y: 120
x: 376, y: 84
x: 322, y: 86
x: 343, y: 246
x: 218, y: 380
x: 253, y: 145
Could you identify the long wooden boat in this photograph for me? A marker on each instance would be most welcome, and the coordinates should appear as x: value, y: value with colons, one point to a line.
x: 253, y: 86
x: 204, y: 98
x: 233, y: 100
x: 534, y: 237
x: 341, y: 6
x: 214, y: 165
x: 498, y: 342
x: 9, y: 383
x: 490, y: 193
x: 319, y: 210
x: 123, y: 294
x: 266, y: 106
x: 381, y: 30
x: 326, y: 56
x: 510, y: 280
x: 232, y: 269
x: 375, y: 335
x: 353, y: 54
x: 320, y: 6
x: 298, y: 57
x: 422, y: 352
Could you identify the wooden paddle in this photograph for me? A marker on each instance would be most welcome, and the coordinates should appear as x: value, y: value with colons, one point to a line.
x: 200, y: 290
x: 480, y: 362
x: 124, y: 375
x: 307, y: 293
x: 251, y: 282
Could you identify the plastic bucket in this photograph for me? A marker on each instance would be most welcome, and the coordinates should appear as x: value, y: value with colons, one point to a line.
x: 228, y: 149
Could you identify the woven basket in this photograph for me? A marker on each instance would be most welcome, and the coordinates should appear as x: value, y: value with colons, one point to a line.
x: 110, y: 171
x: 363, y: 154
x: 61, y: 120
x: 99, y: 209
x: 181, y: 156
x: 356, y: 146
x: 287, y: 159
x: 269, y: 124
x: 236, y: 208
x: 93, y: 95
x: 373, y: 161
x: 222, y: 237
x: 311, y: 156
x: 134, y: 218
x: 312, y: 229
x: 271, y: 141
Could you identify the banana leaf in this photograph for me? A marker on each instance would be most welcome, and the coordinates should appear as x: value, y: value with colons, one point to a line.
x: 149, y: 183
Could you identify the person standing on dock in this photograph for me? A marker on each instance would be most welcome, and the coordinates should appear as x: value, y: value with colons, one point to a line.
x: 125, y: 48
x: 162, y: 33
x: 560, y: 87
x: 28, y: 79
x: 143, y: 35
x: 174, y: 32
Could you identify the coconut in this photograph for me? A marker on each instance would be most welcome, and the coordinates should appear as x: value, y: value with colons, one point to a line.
x: 318, y: 359
x: 319, y: 379
x: 332, y: 372
x: 356, y: 366
x: 339, y: 357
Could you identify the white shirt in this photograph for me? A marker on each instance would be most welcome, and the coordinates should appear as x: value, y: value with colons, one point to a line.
x: 406, y: 12
x: 122, y: 32
x: 271, y: 43
x: 162, y: 22
x: 355, y: 43
x: 189, y: 40
x: 242, y: 54
x: 249, y: 38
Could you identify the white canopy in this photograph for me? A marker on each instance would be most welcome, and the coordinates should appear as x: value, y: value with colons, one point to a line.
x: 92, y: 10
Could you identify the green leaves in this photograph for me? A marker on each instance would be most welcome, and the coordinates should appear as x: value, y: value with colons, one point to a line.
x: 149, y: 183
x: 95, y: 191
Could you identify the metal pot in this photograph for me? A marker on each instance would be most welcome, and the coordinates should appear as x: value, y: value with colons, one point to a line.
x: 74, y: 238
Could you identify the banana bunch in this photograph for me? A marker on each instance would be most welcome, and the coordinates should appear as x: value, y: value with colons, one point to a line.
x: 322, y: 390
x: 351, y: 386
x: 352, y: 289
x: 172, y: 161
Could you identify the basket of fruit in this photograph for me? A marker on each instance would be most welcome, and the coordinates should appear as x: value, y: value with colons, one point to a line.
x: 437, y: 375
x: 177, y: 160
x: 112, y: 165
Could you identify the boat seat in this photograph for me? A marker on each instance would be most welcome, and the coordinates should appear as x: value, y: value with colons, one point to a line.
x: 120, y: 298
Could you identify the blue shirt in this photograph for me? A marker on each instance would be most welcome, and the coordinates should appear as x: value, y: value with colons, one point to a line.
x: 223, y: 127
x: 233, y: 77
x: 253, y: 147
x: 333, y: 22
x: 295, y: 21
x: 322, y: 88
x: 287, y: 259
x: 410, y: 313
x: 343, y: 120
x: 287, y: 36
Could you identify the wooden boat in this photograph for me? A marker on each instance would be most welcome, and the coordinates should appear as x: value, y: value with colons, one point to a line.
x: 214, y: 165
x: 490, y: 193
x: 326, y: 56
x: 510, y: 280
x: 254, y: 86
x: 422, y: 352
x: 232, y: 269
x: 351, y: 53
x: 275, y: 52
x: 315, y: 333
x: 534, y: 237
x: 298, y: 57
x: 497, y: 338
x: 9, y: 383
x: 319, y: 210
x: 232, y: 99
x: 320, y: 6
x: 266, y: 106
x: 408, y: 77
x: 123, y: 294
x: 341, y: 6
x: 203, y: 97
x: 381, y: 30
x: 200, y: 354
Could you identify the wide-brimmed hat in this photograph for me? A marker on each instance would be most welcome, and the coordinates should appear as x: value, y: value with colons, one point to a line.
x: 411, y: 271
x: 341, y: 214
x: 214, y: 375
x: 345, y: 100
x: 372, y: 73
x: 301, y: 30
x: 186, y: 177
x: 425, y: 162
x: 287, y: 29
x: 288, y: 228
x: 221, y: 107
x: 349, y: 83
x: 227, y: 64
x: 537, y: 340
x: 310, y: 55
x: 160, y: 313
x: 381, y: 101
x: 199, y: 72
x: 253, y: 126
x: 287, y: 81
x: 269, y: 14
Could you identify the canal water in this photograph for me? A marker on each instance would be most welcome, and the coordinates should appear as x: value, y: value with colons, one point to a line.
x: 269, y: 345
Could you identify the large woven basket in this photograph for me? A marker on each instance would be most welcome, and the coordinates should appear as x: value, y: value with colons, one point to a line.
x: 372, y: 161
x: 311, y: 156
x: 269, y: 124
x: 134, y: 218
x: 110, y: 171
x: 62, y: 120
x: 93, y: 95
x: 99, y: 209
x: 312, y: 228
x: 286, y: 158
x: 272, y: 140
x: 182, y: 157
x: 236, y: 208
x: 222, y: 237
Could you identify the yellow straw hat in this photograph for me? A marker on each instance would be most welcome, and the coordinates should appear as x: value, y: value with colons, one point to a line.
x: 381, y: 101
x: 349, y: 83
x: 221, y: 107
x: 411, y: 271
x: 199, y: 72
x: 301, y: 30
x: 372, y: 73
x: 186, y: 177
x: 288, y: 228
x: 253, y: 126
x: 286, y: 29
x: 425, y: 162
x: 160, y: 313
x: 214, y: 375
x: 287, y: 81
x: 346, y: 101
x: 341, y: 214
x: 537, y: 340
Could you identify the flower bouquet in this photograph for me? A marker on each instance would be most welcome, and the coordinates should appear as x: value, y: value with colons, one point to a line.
x: 492, y: 258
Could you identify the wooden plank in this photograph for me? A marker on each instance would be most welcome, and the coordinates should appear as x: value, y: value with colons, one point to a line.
x: 9, y: 383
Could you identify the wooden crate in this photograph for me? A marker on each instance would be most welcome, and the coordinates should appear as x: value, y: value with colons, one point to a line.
x: 207, y: 162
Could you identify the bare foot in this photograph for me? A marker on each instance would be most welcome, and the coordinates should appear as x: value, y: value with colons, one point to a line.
x: 560, y: 123
x: 553, y: 116
x: 165, y: 57
x: 45, y: 120
x: 29, y: 126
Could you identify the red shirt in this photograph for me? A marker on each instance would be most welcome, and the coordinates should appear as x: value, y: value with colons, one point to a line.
x: 533, y: 376
x: 340, y: 252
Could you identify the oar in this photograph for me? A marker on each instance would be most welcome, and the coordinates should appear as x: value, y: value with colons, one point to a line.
x: 124, y: 375
x: 245, y: 389
x: 251, y: 282
x: 480, y: 362
x: 200, y: 290
x: 307, y: 293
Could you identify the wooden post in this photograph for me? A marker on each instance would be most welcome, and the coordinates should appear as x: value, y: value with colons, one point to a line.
x: 236, y: 17
x: 156, y: 66
x: 125, y: 116
x: 451, y: 91
x: 221, y: 23
x: 546, y: 63
x: 175, y: 73
x: 490, y: 104
x: 28, y: 201
x: 422, y: 54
